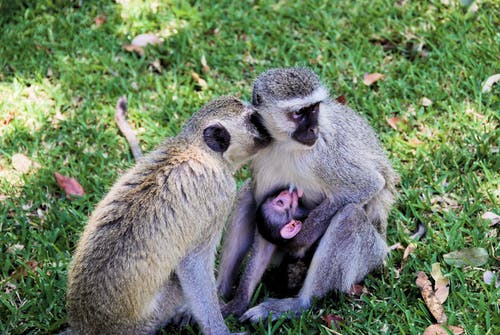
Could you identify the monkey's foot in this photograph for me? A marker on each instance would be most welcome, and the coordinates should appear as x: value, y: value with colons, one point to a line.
x: 183, y: 316
x: 274, y: 308
x: 234, y: 307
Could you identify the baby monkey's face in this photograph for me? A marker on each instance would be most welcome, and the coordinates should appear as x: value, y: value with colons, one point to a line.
x: 286, y: 202
x: 280, y: 216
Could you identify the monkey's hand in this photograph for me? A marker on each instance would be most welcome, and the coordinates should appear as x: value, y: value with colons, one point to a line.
x: 312, y: 229
x: 235, y: 307
x: 274, y: 308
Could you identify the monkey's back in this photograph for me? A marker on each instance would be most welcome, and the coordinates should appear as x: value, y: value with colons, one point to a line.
x: 142, y: 229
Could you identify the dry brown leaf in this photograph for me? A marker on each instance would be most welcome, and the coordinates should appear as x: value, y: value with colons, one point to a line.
x: 396, y: 246
x: 490, y: 277
x: 7, y: 119
x: 69, y: 185
x: 156, y: 66
x: 393, y: 122
x: 409, y: 249
x: 22, y: 163
x: 22, y: 271
x: 331, y: 319
x: 357, y: 290
x: 13, y: 248
x: 200, y: 81
x: 341, y: 99
x: 144, y: 40
x: 415, y: 142
x: 204, y: 66
x: 426, y: 102
x: 494, y: 218
x: 430, y: 299
x: 133, y: 48
x: 371, y: 78
x: 441, y: 283
x: 490, y: 82
x: 441, y: 330
x: 100, y: 20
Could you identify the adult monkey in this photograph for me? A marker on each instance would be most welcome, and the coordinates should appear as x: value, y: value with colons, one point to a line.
x: 334, y: 156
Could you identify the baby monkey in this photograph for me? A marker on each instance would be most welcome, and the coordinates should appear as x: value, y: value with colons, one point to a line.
x: 280, y: 216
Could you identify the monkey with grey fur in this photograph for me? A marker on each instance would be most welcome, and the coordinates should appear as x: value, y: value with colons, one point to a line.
x: 148, y: 249
x: 334, y: 156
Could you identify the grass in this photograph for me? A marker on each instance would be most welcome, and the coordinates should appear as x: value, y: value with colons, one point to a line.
x: 61, y: 75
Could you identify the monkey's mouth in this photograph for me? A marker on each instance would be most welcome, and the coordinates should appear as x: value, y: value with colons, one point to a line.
x: 263, y: 137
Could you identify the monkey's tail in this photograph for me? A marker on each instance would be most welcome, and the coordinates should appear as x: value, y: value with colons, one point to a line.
x: 124, y: 126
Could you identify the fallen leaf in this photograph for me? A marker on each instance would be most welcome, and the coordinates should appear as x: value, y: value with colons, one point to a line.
x: 490, y: 277
x: 494, y: 218
x: 13, y: 248
x: 341, y: 99
x: 396, y: 246
x: 371, y: 78
x: 134, y: 48
x: 331, y: 319
x: 204, y: 66
x: 430, y: 299
x: 100, y: 20
x: 442, y: 330
x: 393, y: 122
x: 426, y: 102
x: 441, y: 283
x: 490, y: 82
x: 144, y: 40
x: 468, y: 256
x: 415, y: 142
x: 7, y: 119
x: 156, y: 66
x: 357, y: 290
x: 69, y: 185
x: 409, y: 249
x: 200, y: 81
x: 22, y: 163
x: 22, y: 271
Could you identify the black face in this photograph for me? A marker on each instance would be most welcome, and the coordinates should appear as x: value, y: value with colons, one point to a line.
x: 264, y: 137
x: 306, y: 121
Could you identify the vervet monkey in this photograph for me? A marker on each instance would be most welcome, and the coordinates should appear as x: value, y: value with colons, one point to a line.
x: 148, y: 249
x: 280, y: 216
x: 333, y: 155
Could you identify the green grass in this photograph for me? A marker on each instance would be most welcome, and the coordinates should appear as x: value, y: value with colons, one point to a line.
x: 60, y: 77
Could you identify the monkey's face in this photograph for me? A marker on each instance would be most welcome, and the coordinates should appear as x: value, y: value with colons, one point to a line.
x: 277, y: 218
x: 238, y: 137
x: 290, y: 123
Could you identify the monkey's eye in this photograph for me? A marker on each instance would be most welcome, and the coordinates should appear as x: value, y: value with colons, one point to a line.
x: 279, y: 203
x: 298, y: 114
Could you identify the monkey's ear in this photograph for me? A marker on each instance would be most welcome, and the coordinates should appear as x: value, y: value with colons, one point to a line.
x: 217, y: 137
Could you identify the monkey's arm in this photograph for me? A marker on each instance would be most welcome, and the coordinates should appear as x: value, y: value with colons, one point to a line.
x: 320, y: 217
x: 197, y: 280
x: 237, y: 240
x: 261, y: 254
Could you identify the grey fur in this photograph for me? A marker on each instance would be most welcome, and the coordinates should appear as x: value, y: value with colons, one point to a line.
x: 347, y: 180
x: 148, y: 250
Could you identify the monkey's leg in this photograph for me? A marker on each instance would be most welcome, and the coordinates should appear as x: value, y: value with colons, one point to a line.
x: 196, y: 275
x: 349, y: 250
x: 237, y: 240
x: 262, y: 252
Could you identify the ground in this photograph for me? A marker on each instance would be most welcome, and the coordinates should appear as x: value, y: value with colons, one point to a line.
x: 64, y: 64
